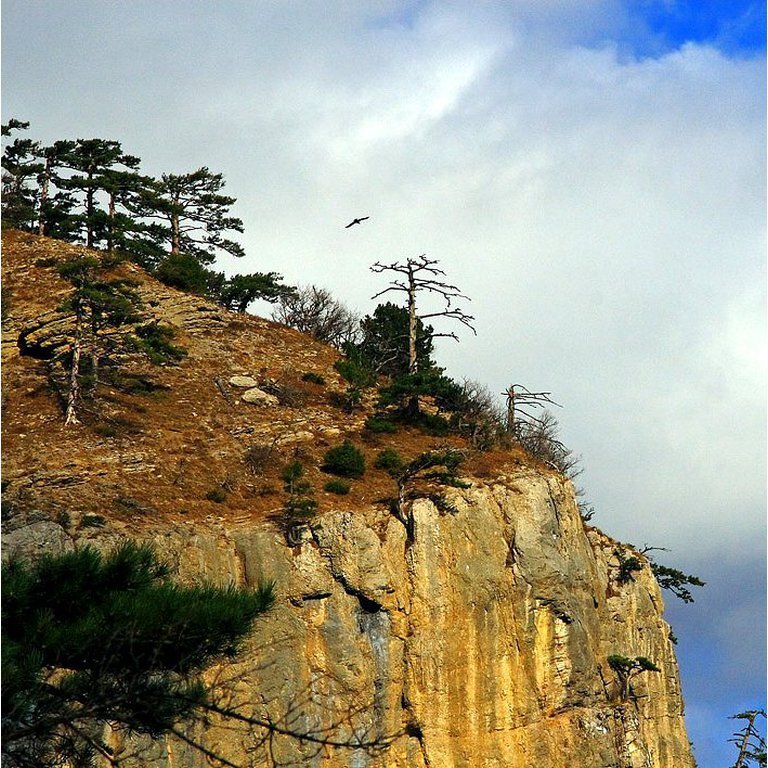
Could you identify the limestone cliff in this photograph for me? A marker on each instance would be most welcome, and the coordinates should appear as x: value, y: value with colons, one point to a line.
x: 479, y: 638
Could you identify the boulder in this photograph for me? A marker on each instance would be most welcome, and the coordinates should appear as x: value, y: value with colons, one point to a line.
x: 258, y: 396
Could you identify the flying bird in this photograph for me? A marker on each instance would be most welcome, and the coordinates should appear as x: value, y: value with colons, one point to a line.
x: 357, y: 221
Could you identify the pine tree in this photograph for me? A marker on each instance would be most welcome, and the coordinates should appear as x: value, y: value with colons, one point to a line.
x: 90, y: 639
x: 99, y: 165
x: 386, y: 338
x: 21, y: 166
x: 105, y: 312
x: 194, y: 216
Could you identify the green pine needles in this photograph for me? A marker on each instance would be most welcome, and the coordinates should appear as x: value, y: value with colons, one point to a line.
x: 89, y: 638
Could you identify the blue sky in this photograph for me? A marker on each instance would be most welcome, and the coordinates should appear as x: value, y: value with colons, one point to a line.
x: 737, y: 27
x: 590, y: 172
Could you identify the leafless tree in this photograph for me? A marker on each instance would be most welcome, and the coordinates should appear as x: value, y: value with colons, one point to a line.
x: 520, y: 402
x: 419, y: 274
x: 315, y: 311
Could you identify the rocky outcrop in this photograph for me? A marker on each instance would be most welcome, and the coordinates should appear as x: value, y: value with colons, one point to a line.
x: 478, y: 636
x: 480, y: 641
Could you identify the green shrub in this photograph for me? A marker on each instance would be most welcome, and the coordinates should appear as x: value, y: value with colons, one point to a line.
x: 380, y: 426
x: 299, y: 509
x: 291, y: 476
x: 338, y: 487
x: 344, y: 460
x: 389, y: 460
x: 216, y: 495
x: 313, y: 378
x: 627, y: 565
x: 433, y: 424
x: 154, y: 341
x: 185, y: 272
x: 355, y: 371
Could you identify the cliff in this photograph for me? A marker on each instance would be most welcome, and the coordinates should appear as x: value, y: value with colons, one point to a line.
x: 479, y: 638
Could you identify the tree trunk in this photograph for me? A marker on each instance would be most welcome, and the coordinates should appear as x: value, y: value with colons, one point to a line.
x: 745, y: 743
x: 111, y: 226
x: 89, y: 217
x: 73, y: 396
x: 175, y: 229
x: 413, y: 363
x: 412, y: 323
x: 511, y: 410
x: 45, y: 182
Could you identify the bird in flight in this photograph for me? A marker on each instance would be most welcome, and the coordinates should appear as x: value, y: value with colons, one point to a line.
x: 357, y: 221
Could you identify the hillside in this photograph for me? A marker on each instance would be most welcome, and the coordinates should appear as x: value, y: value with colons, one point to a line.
x: 482, y: 635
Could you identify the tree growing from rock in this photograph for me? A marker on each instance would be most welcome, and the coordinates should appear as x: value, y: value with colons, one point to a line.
x: 420, y: 477
x: 626, y: 669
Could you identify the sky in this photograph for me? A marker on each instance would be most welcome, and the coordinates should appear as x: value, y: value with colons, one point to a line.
x: 591, y: 173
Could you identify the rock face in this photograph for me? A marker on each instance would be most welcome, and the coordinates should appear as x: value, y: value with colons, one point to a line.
x: 482, y: 640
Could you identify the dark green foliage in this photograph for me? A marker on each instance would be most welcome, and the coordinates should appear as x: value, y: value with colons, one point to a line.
x: 338, y: 487
x: 385, y: 341
x: 390, y: 461
x: 676, y: 581
x: 97, y: 166
x: 185, y: 272
x: 355, y: 370
x: 21, y: 166
x: 154, y: 340
x: 107, y: 303
x: 627, y: 565
x: 192, y: 216
x: 241, y: 290
x: 345, y: 460
x: 300, y: 506
x: 626, y: 668
x: 313, y: 378
x: 216, y: 495
x: 89, y: 638
x: 292, y: 476
x: 405, y: 391
x: 431, y: 423
x: 440, y: 466
x: 417, y: 479
x: 379, y: 425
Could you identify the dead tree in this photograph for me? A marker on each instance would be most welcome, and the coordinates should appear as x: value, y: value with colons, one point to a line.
x: 520, y: 400
x: 421, y: 274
